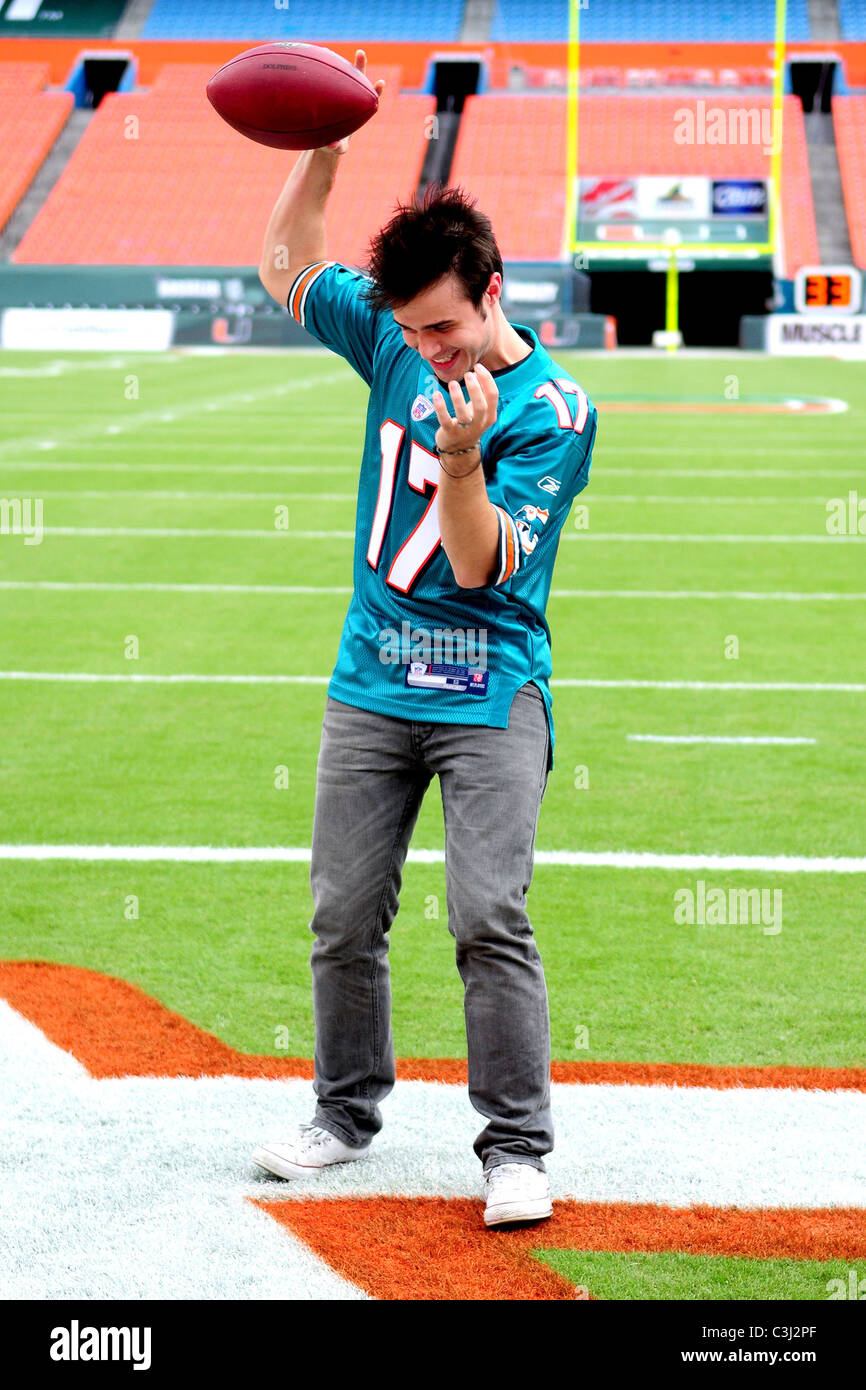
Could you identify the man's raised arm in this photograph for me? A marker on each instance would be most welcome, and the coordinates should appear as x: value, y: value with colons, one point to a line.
x: 295, y: 234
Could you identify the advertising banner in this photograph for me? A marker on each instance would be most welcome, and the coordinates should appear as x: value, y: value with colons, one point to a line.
x: 130, y: 330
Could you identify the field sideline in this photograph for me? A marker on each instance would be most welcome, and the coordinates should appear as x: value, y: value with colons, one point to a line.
x: 164, y: 654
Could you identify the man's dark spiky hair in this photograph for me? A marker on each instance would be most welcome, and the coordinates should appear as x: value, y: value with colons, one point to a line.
x: 423, y: 241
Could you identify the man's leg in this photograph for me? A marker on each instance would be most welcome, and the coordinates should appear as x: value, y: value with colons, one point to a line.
x: 493, y: 781
x: 369, y: 788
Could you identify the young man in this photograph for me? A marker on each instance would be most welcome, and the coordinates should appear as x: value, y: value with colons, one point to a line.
x: 443, y: 664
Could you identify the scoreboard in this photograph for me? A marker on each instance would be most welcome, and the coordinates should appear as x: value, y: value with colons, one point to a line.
x: 668, y: 210
x: 829, y: 318
x: 828, y: 289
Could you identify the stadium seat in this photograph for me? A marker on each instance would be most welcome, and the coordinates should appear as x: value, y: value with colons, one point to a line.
x: 511, y: 152
x: 177, y: 186
x: 849, y: 120
x: 30, y: 121
x: 315, y: 20
x: 24, y: 77
x: 852, y: 19
x: 639, y: 21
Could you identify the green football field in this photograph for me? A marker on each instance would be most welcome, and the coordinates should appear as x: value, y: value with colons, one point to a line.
x: 167, y: 638
x: 702, y: 584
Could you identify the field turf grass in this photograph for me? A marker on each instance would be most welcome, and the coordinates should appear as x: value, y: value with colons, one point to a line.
x: 215, y: 444
x: 195, y: 764
x: 675, y: 1275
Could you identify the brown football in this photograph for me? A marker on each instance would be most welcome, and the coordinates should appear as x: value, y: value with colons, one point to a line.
x: 292, y: 96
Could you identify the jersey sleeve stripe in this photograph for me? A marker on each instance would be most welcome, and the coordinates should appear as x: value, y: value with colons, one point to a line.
x: 297, y: 300
x: 515, y: 535
x: 509, y: 546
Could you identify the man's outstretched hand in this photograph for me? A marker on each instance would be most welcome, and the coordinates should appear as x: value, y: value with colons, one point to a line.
x: 470, y: 419
x: 341, y: 146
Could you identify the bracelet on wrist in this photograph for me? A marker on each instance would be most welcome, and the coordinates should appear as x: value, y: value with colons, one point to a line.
x: 460, y: 451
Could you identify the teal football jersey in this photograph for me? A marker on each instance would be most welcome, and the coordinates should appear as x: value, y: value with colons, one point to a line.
x: 415, y: 644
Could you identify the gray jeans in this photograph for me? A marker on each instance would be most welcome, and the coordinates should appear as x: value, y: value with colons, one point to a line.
x: 373, y: 771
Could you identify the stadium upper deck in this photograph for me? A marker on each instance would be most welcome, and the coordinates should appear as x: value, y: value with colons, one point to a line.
x: 510, y: 146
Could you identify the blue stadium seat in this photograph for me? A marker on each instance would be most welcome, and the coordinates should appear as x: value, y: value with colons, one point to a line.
x: 852, y: 18
x: 304, y: 19
x: 652, y: 21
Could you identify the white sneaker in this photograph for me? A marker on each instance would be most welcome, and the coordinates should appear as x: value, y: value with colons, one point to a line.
x: 516, y: 1192
x: 312, y: 1149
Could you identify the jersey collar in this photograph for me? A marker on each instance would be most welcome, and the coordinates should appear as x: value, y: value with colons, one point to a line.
x: 519, y: 373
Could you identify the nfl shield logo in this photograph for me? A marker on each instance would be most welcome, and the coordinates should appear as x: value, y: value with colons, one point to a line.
x: 421, y: 408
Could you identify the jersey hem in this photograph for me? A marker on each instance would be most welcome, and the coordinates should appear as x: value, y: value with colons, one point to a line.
x: 361, y: 700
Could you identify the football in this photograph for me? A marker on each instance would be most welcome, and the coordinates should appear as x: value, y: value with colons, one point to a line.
x: 292, y: 96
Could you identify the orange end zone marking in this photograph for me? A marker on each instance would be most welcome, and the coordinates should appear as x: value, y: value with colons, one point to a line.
x: 114, y: 1029
x: 439, y: 1248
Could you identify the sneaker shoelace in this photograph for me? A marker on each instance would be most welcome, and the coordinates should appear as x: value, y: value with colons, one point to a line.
x: 504, y: 1172
x: 313, y: 1135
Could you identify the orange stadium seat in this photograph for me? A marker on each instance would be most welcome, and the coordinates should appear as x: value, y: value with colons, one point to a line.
x: 29, y: 77
x: 511, y: 155
x: 849, y: 120
x: 158, y: 178
x: 30, y: 121
x: 511, y: 152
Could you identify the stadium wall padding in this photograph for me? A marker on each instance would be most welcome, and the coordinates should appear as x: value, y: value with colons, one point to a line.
x: 152, y: 54
x: 228, y: 304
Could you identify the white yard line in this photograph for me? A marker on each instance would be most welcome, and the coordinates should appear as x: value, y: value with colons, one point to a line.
x: 114, y: 494
x: 597, y: 684
x: 208, y: 678
x: 704, y: 501
x: 585, y: 859
x: 146, y: 587
x: 714, y: 738
x: 697, y: 451
x: 207, y: 446
x: 774, y: 595
x: 121, y: 677
x: 712, y: 538
x: 61, y: 366
x: 53, y: 466
x: 729, y: 472
x: 184, y: 532
x: 638, y: 537
x: 107, y: 587
x: 286, y: 496
x: 180, y: 466
x: 136, y: 420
